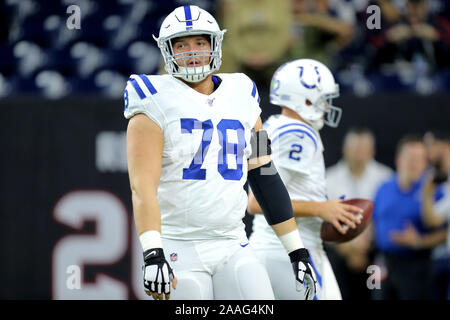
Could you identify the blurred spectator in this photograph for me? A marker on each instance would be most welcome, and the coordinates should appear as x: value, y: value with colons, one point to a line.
x: 356, y: 175
x: 437, y: 213
x: 256, y: 43
x: 321, y: 28
x: 402, y: 239
x: 389, y: 11
x: 419, y: 37
x: 258, y: 32
x: 261, y: 36
x: 264, y: 34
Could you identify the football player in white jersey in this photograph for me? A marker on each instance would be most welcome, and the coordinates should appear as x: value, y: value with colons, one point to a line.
x: 193, y: 140
x: 304, y: 89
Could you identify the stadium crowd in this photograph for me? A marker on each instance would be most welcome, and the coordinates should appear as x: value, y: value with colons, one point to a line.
x: 401, y: 46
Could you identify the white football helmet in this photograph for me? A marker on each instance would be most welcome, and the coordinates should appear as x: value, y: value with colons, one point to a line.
x: 187, y: 21
x: 297, y: 81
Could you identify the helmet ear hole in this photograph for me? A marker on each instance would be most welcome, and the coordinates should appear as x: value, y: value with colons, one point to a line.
x: 308, y: 102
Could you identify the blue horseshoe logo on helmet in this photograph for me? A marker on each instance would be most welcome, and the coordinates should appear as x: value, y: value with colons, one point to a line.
x: 309, y: 86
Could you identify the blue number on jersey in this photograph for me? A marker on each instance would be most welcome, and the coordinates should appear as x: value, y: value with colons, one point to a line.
x: 296, y: 148
x: 187, y: 125
x: 231, y: 148
x: 194, y: 171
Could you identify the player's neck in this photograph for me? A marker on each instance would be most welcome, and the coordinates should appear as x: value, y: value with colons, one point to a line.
x: 292, y: 114
x: 356, y: 168
x: 206, y: 86
x: 404, y: 182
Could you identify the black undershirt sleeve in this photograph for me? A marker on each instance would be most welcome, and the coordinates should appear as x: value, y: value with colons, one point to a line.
x: 271, y: 193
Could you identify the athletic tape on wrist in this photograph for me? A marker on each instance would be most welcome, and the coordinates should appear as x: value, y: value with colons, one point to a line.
x: 150, y: 239
x: 291, y: 241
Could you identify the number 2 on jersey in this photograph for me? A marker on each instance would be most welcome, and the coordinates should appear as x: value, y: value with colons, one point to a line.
x: 296, y: 149
x: 194, y: 171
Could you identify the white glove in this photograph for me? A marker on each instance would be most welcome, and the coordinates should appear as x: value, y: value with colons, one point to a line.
x: 157, y: 274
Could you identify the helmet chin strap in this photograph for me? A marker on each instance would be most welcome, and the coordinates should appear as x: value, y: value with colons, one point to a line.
x: 195, y: 74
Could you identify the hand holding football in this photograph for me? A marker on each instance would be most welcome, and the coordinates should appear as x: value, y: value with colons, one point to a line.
x: 330, y: 234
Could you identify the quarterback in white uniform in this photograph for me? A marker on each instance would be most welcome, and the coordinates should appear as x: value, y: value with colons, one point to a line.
x: 304, y: 89
x: 188, y: 140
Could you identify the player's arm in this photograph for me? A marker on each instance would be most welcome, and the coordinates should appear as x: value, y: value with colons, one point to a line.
x: 430, y: 218
x: 295, y: 156
x: 270, y: 191
x: 411, y: 238
x: 333, y: 211
x: 144, y: 156
x: 432, y: 239
x: 260, y: 161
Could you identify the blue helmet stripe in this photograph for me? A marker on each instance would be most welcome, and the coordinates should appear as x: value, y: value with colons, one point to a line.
x: 148, y: 84
x: 188, y: 15
x: 137, y: 88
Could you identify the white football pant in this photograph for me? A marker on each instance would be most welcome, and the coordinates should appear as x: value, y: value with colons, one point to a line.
x: 217, y: 269
x: 279, y: 267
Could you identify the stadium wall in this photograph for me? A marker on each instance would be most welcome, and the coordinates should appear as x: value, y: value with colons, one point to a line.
x: 66, y: 229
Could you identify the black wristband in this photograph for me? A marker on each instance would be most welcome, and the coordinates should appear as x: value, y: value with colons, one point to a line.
x: 153, y: 255
x: 299, y: 255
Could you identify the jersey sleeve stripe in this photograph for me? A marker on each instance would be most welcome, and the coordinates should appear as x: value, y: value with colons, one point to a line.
x: 137, y: 88
x: 305, y: 127
x: 255, y: 93
x: 254, y: 90
x: 275, y: 138
x: 148, y: 84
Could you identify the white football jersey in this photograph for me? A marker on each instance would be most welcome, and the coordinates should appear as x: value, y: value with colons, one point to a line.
x: 206, y: 146
x: 297, y: 152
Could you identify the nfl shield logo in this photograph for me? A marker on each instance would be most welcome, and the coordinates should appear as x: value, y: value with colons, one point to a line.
x: 173, y: 256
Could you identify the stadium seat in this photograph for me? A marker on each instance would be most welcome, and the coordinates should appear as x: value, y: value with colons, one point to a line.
x: 144, y: 57
x: 61, y: 60
x: 30, y: 57
x: 23, y: 85
x: 88, y: 58
x: 5, y: 86
x: 8, y: 62
x: 116, y: 39
x: 52, y: 84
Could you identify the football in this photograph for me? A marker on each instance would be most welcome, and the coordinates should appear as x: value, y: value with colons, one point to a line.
x: 329, y: 233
